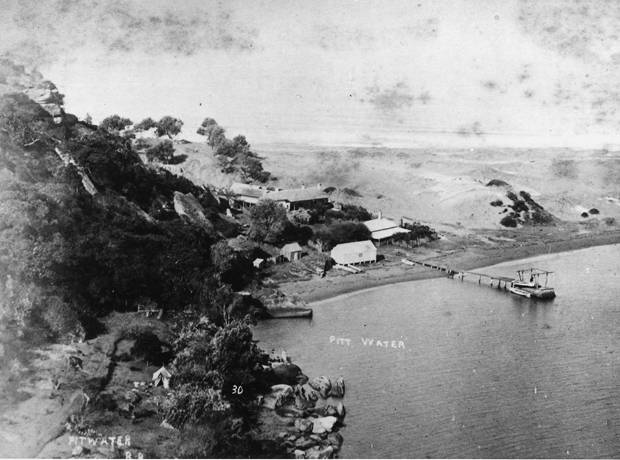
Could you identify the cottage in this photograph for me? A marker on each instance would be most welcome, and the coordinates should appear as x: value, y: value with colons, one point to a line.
x: 355, y: 253
x: 382, y: 229
x: 291, y: 251
x: 297, y: 198
x: 271, y: 255
x: 246, y: 195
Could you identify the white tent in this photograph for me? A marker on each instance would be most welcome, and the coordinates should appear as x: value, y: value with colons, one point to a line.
x: 162, y: 376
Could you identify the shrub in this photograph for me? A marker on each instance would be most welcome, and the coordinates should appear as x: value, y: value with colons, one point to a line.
x: 593, y: 211
x: 349, y: 212
x: 520, y: 206
x: 543, y: 217
x: 229, y: 229
x: 584, y: 215
x: 497, y: 203
x: 162, y: 152
x: 509, y: 221
x: 341, y: 232
x: 147, y: 346
x: 497, y: 183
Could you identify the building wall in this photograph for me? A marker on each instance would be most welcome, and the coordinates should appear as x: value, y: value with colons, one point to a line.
x: 294, y: 255
x: 354, y: 257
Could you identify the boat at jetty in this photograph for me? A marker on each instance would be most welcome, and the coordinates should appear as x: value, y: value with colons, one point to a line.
x: 531, y: 287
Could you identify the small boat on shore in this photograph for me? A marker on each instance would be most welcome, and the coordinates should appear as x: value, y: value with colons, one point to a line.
x: 531, y: 287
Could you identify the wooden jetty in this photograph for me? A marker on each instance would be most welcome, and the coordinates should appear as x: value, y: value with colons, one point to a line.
x: 461, y: 274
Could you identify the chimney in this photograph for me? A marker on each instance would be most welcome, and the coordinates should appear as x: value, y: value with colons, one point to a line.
x: 318, y: 186
x: 379, y: 215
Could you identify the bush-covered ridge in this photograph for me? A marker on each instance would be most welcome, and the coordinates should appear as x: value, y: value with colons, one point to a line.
x: 70, y: 256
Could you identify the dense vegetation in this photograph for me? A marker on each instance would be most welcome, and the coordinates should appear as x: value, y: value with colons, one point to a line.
x: 69, y: 255
x: 233, y: 156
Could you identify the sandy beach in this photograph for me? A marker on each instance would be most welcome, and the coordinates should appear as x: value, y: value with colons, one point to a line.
x: 392, y: 270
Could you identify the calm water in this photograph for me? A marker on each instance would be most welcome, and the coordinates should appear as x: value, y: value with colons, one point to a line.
x: 483, y: 373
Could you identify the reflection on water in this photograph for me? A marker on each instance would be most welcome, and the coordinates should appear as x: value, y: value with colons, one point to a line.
x: 482, y: 373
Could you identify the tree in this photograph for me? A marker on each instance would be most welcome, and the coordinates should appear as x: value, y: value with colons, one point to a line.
x: 206, y: 123
x: 226, y: 148
x: 162, y: 152
x: 268, y: 221
x: 299, y: 217
x: 145, y: 124
x: 231, y: 265
x: 168, y: 126
x: 148, y: 347
x: 215, y: 135
x: 342, y: 232
x: 115, y: 123
x: 251, y: 167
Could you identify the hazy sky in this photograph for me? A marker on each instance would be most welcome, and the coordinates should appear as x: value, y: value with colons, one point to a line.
x: 465, y: 72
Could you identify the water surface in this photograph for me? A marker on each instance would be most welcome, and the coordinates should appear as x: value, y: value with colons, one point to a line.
x: 483, y: 373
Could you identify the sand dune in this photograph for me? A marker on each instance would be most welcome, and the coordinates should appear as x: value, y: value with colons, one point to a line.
x: 442, y: 188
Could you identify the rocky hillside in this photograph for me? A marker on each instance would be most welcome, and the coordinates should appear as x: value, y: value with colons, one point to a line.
x: 91, y: 239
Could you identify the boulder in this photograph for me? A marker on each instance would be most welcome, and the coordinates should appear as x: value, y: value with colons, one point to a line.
x: 186, y: 205
x: 289, y: 374
x: 301, y: 403
x: 337, y: 389
x: 304, y: 444
x: 107, y: 451
x: 322, y: 411
x: 303, y: 425
x: 325, y: 452
x: 289, y: 410
x: 280, y: 395
x: 307, y: 393
x: 299, y: 453
x: 323, y: 424
x: 341, y: 411
x: 335, y: 439
x: 79, y: 450
x: 322, y: 385
x: 331, y: 410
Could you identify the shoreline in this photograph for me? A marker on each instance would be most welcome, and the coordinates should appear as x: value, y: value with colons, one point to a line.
x: 470, y: 259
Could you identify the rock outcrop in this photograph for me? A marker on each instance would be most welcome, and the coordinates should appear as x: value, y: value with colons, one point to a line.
x: 308, y: 411
x: 187, y: 206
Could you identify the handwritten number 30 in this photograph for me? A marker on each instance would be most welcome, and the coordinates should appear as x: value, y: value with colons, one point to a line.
x: 237, y: 390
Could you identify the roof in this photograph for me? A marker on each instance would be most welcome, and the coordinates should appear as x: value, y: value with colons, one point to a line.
x: 295, y: 194
x: 291, y: 247
x: 381, y: 234
x: 380, y: 224
x: 356, y: 246
x: 253, y: 191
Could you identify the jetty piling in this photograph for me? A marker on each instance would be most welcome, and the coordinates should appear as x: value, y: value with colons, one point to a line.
x: 462, y: 273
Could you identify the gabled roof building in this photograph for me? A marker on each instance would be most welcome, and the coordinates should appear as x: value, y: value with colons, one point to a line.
x: 247, y: 195
x: 358, y: 252
x: 382, y: 229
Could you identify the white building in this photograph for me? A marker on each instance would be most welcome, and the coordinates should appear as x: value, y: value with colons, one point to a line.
x: 382, y: 229
x: 358, y: 252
